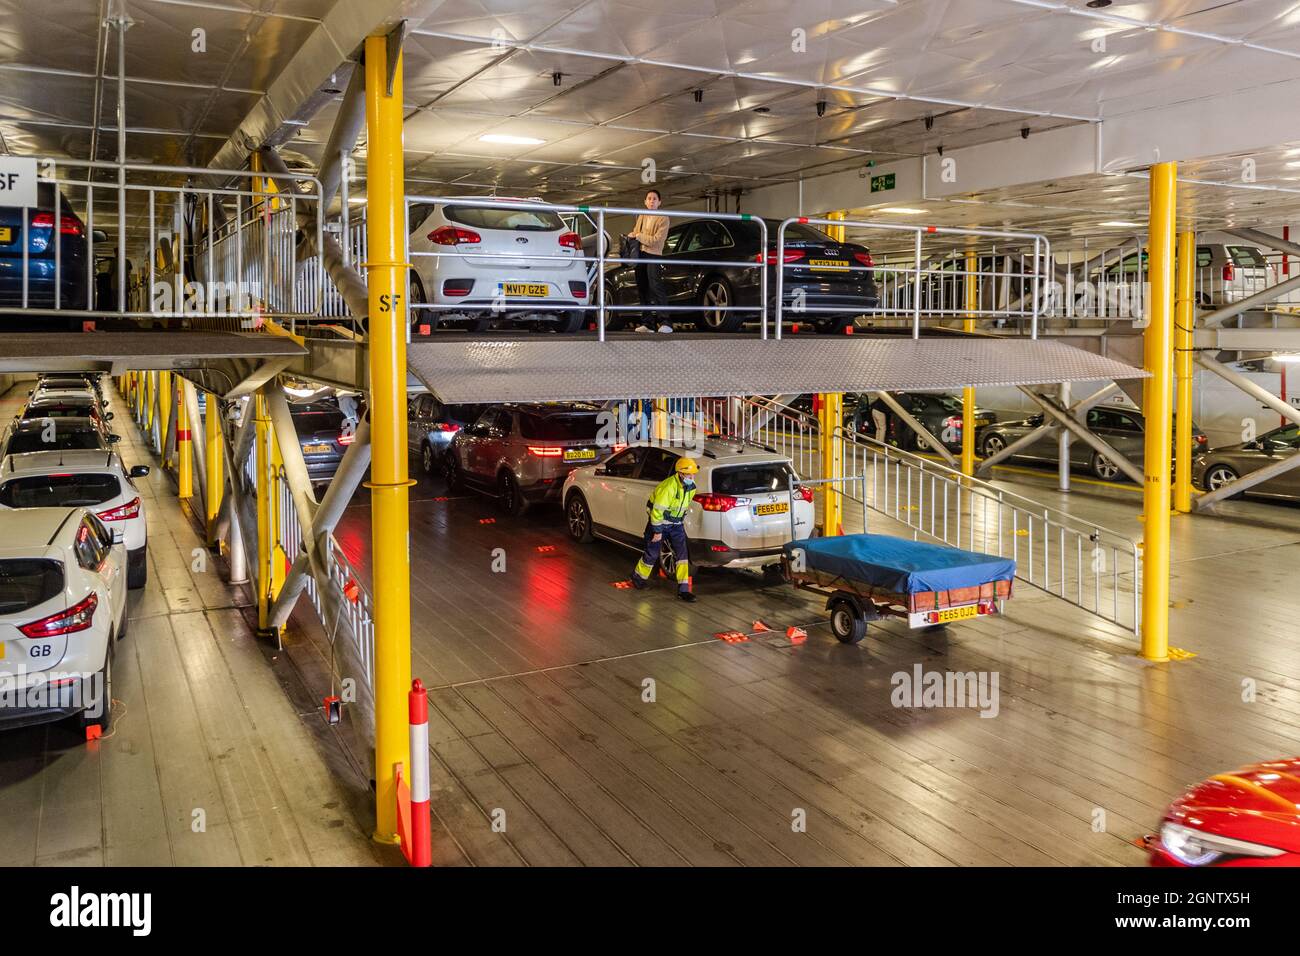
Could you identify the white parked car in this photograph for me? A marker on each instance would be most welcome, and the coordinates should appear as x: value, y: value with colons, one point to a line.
x: 741, y: 514
x: 95, y: 480
x: 62, y: 606
x: 498, y: 267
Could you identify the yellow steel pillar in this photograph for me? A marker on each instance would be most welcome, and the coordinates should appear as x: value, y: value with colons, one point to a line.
x: 163, y: 413
x: 214, y: 450
x: 838, y: 233
x: 390, y: 520
x: 830, y: 414
x: 184, y: 457
x: 1157, y: 407
x: 968, y: 394
x: 267, y: 492
x: 661, y: 419
x: 1184, y: 317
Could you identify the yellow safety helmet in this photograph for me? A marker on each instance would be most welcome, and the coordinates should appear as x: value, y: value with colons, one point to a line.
x: 687, y: 466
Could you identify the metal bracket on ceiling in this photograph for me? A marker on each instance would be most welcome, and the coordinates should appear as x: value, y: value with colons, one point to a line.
x: 393, y: 44
x: 116, y: 15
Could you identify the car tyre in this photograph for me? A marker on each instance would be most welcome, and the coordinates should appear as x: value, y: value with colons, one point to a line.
x: 105, y: 679
x: 566, y: 323
x: 577, y: 517
x: 991, y: 444
x: 1216, y: 476
x: 716, y: 292
x: 614, y: 321
x: 418, y: 297
x: 773, y: 574
x: 429, y: 459
x: 451, y: 472
x: 835, y: 325
x: 509, y: 496
x: 848, y: 626
x: 1103, y: 468
x: 137, y: 567
x: 667, y: 560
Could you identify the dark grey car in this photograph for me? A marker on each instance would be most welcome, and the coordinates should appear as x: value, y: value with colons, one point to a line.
x: 432, y: 424
x: 940, y: 413
x: 1219, y: 466
x: 1121, y: 428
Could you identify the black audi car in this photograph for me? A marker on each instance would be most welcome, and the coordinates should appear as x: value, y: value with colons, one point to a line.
x: 820, y: 273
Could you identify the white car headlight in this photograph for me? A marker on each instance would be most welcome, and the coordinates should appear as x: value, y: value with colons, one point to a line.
x: 1198, y: 848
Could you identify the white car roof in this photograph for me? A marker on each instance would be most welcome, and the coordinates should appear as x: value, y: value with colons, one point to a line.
x: 46, y: 462
x: 720, y: 451
x: 32, y: 532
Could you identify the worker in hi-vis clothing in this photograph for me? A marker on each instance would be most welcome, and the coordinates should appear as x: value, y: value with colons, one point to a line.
x: 668, y: 506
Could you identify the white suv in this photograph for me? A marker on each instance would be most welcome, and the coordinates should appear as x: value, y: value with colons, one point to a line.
x: 96, y: 480
x: 741, y: 516
x: 62, y: 604
x: 497, y: 267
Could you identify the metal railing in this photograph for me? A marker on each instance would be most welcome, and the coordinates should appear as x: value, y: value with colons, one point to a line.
x: 928, y: 284
x: 1085, y: 564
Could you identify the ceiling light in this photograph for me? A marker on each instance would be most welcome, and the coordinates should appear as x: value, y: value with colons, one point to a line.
x: 511, y: 140
x: 903, y: 211
x: 1290, y: 358
x: 1295, y: 165
x: 1120, y: 224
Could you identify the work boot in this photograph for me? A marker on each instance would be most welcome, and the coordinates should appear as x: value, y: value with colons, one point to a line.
x: 639, y: 582
x: 687, y: 596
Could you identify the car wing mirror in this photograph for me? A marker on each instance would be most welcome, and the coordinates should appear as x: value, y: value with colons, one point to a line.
x: 98, y: 235
x: 108, y: 416
x: 601, y: 472
x: 139, y: 471
x: 114, y: 439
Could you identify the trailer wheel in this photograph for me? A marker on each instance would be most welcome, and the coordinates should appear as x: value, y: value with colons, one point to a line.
x: 848, y: 626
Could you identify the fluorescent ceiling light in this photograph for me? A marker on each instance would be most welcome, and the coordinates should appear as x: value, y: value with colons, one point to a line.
x: 1295, y: 165
x: 512, y: 140
x: 1290, y: 358
x: 903, y: 211
x: 1120, y: 223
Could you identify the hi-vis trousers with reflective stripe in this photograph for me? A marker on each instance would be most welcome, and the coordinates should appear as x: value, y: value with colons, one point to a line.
x: 676, y: 535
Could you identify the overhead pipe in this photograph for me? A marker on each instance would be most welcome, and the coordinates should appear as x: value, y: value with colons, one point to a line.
x: 1264, y: 239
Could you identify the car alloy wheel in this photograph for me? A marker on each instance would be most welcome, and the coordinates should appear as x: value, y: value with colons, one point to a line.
x: 992, y: 445
x: 1104, y: 468
x: 578, y: 518
x: 428, y: 460
x: 1218, y: 476
x: 667, y: 560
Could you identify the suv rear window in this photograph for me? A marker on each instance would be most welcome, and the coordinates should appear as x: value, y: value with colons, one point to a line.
x: 312, y: 419
x: 27, y: 582
x: 558, y: 427
x: 53, y: 491
x: 1247, y: 256
x: 752, y: 479
x: 520, y: 220
x: 63, y: 439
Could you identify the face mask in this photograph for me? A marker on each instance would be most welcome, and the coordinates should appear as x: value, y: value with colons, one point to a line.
x: 688, y: 483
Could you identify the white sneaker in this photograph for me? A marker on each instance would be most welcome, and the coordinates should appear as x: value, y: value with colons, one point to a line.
x: 665, y: 328
x: 644, y: 328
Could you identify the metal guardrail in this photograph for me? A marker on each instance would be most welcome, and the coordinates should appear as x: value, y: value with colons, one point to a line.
x: 1085, y: 564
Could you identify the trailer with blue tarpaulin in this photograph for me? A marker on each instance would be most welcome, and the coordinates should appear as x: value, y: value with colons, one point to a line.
x: 866, y: 577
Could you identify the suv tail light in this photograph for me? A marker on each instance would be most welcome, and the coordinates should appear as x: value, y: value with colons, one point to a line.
x: 864, y: 258
x: 68, y: 225
x: 129, y: 510
x: 711, y: 502
x: 570, y: 240
x: 76, y: 618
x: 790, y: 255
x: 545, y: 451
x: 347, y: 438
x: 805, y: 493
x: 1227, y: 272
x: 453, y: 236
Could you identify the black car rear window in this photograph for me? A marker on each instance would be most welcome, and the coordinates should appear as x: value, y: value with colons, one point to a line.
x: 462, y: 413
x: 577, y: 427
x: 316, y: 419
x: 752, y: 479
x: 27, y: 582
x: 520, y: 220
x: 61, y: 439
x: 59, y: 490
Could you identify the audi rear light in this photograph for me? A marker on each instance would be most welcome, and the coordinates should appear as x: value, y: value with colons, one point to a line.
x: 545, y: 451
x: 864, y: 258
x: 1227, y: 272
x: 76, y: 618
x: 805, y: 493
x: 347, y: 438
x: 711, y: 502
x: 570, y: 240
x: 68, y: 225
x: 789, y: 255
x: 454, y: 236
x: 446, y: 427
x: 129, y: 510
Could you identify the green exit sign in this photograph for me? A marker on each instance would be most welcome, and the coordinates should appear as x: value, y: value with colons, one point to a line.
x: 880, y: 184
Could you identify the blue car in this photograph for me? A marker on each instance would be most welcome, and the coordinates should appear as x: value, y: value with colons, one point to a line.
x: 45, y: 270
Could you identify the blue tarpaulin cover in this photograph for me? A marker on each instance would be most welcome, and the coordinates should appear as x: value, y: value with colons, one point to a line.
x: 899, y: 565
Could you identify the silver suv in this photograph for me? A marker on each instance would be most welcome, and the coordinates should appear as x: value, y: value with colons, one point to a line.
x: 522, y: 453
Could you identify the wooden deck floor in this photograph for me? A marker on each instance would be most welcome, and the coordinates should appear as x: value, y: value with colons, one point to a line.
x: 205, y: 719
x: 538, y: 716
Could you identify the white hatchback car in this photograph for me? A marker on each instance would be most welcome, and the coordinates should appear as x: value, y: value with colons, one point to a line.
x: 96, y: 480
x: 743, y: 505
x: 522, y: 265
x: 62, y: 605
